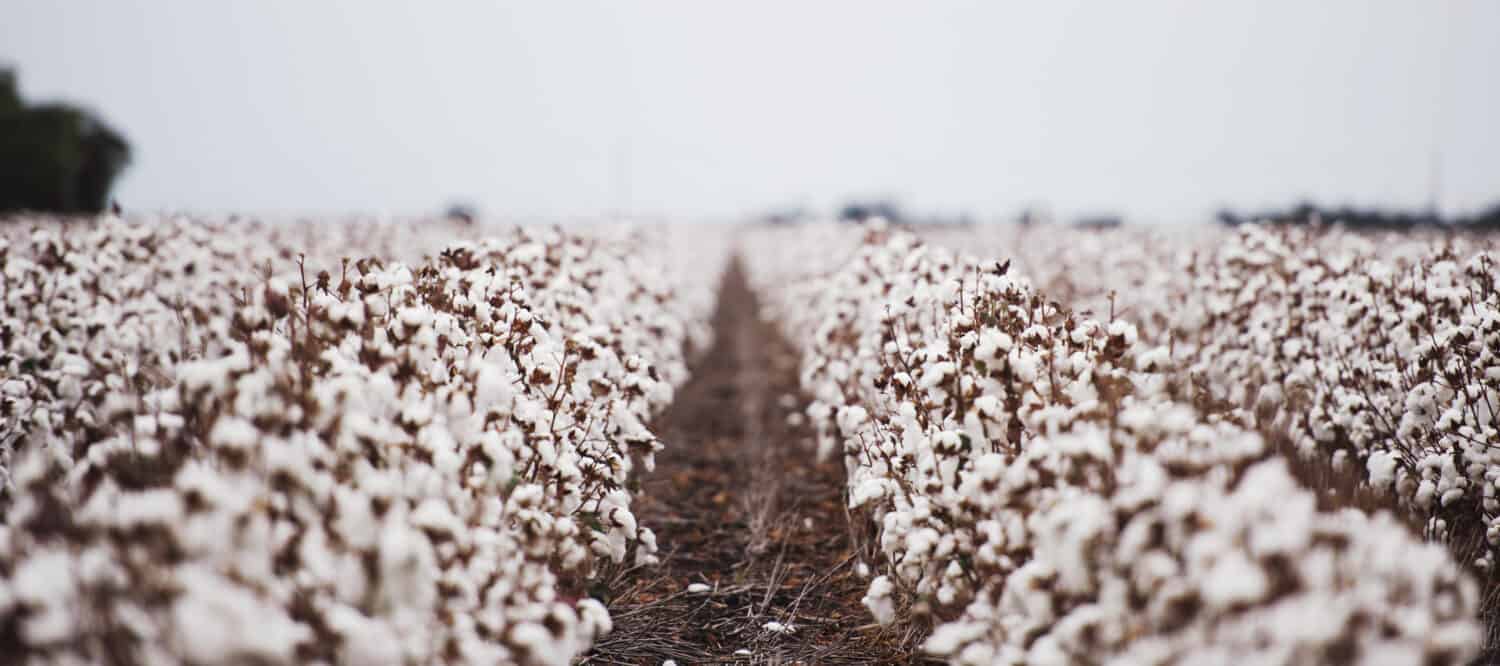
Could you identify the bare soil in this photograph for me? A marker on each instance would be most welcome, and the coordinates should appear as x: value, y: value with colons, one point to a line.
x: 739, y: 503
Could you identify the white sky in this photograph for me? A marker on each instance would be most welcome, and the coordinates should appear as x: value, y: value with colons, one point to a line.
x: 1161, y: 110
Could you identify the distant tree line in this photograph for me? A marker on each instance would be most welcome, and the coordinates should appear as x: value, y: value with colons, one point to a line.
x: 863, y: 210
x: 1366, y: 218
x: 55, y: 158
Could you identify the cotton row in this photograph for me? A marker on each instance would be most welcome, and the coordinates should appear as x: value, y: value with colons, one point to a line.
x: 369, y: 461
x: 1042, y: 488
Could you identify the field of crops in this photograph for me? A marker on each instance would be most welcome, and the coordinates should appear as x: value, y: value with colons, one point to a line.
x: 426, y: 442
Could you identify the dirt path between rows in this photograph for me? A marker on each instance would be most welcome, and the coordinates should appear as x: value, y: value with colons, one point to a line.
x: 740, y: 504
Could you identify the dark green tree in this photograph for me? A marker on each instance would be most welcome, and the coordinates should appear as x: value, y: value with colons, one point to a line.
x: 54, y: 157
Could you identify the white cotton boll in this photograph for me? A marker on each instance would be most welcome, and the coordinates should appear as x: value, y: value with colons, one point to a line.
x: 145, y: 425
x: 949, y: 637
x: 1025, y: 366
x: 852, y: 418
x: 839, y: 371
x: 611, y: 544
x: 1450, y: 496
x: 1382, y: 467
x: 920, y: 543
x: 1425, y: 493
x: 46, y: 582
x: 1291, y: 348
x: 988, y: 406
x: 210, y: 618
x: 435, y: 515
x: 376, y: 306
x: 993, y: 344
x: 592, y: 614
x: 502, y: 461
x: 1269, y: 396
x: 365, y: 640
x: 938, y: 373
x: 401, y: 275
x: 445, y: 456
x: 878, y: 600
x: 232, y: 432
x: 868, y: 490
x: 148, y: 507
x: 42, y: 418
x: 779, y: 628
x: 491, y: 388
x: 990, y: 466
x: 1154, y: 359
x: 355, y: 521
x: 1123, y: 329
x: 407, y: 569
x: 622, y: 517
x: 1234, y: 579
x: 698, y: 588
x: 418, y: 413
x: 169, y: 423
x: 1065, y: 537
x: 426, y: 338
x: 278, y: 285
x: 97, y: 566
x: 537, y: 641
x: 73, y: 365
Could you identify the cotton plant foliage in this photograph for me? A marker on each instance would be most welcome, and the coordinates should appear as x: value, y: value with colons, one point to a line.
x: 362, y: 443
x: 1050, y: 488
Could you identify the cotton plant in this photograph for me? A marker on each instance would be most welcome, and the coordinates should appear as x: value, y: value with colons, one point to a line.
x: 1187, y: 546
x: 1372, y: 352
x: 1040, y: 479
x: 1376, y: 356
x: 370, y: 460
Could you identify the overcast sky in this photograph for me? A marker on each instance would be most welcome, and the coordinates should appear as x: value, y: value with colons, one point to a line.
x: 1160, y: 110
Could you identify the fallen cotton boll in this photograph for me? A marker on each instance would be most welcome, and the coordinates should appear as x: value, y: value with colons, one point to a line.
x: 698, y: 588
x: 779, y: 628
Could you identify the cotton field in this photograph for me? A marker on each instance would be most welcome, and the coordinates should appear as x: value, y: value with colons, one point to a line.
x: 419, y: 442
x: 1085, y: 466
x: 231, y: 443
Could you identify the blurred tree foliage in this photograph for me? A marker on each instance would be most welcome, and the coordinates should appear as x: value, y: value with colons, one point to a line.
x: 54, y: 157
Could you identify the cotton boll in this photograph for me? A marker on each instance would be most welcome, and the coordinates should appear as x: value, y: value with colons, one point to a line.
x: 208, y: 622
x: 1234, y: 579
x: 366, y: 640
x: 1381, y: 467
x: 988, y: 406
x: 851, y: 418
x: 595, y: 617
x: 46, y: 581
x: 1425, y: 493
x: 869, y: 490
x: 878, y: 600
